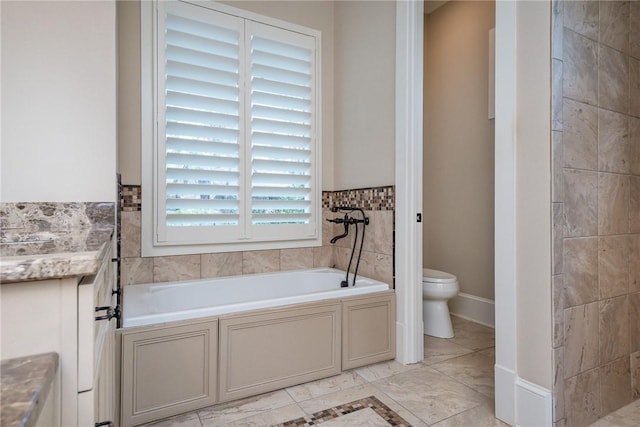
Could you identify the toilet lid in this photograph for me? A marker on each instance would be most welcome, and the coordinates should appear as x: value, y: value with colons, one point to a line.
x: 436, y: 276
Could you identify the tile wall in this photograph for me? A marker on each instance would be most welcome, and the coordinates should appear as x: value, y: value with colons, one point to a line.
x: 596, y: 208
x: 376, y: 261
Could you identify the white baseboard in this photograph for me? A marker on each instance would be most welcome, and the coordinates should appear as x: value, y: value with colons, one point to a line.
x: 534, y: 405
x: 505, y: 394
x: 477, y: 309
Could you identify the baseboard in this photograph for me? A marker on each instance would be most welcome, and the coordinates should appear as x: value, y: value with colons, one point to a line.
x: 505, y: 394
x: 476, y: 309
x: 534, y: 405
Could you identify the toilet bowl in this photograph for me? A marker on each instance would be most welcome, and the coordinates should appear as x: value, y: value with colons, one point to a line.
x: 437, y: 288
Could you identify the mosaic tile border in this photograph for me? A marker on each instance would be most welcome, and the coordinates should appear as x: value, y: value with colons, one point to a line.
x: 130, y: 198
x: 372, y: 402
x: 369, y: 199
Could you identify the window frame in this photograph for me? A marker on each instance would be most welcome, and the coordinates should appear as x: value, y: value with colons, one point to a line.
x: 151, y: 156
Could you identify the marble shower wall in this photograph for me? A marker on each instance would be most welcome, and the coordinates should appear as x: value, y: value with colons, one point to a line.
x: 376, y: 262
x: 596, y: 208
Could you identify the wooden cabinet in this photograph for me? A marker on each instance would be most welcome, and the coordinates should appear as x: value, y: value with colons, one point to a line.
x: 59, y: 315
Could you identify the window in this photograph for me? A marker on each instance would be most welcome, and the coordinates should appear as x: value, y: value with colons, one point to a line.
x: 232, y: 147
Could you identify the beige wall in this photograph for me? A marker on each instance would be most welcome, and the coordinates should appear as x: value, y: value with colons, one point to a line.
x: 458, y: 167
x: 364, y: 93
x: 358, y: 89
x: 58, y: 101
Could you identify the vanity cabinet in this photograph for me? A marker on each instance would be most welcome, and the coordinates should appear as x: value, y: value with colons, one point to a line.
x: 59, y: 315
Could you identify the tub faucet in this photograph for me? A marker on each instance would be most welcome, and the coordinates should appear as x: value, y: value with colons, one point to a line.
x: 344, y: 221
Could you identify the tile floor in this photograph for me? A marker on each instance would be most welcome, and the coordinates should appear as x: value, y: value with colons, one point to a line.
x: 453, y: 387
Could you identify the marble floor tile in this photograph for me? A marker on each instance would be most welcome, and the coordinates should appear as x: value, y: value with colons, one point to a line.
x: 363, y: 418
x: 312, y: 406
x: 383, y: 370
x: 472, y: 335
x: 429, y: 394
x: 480, y: 416
x: 236, y: 410
x: 626, y: 416
x: 270, y: 418
x: 185, y: 420
x: 474, y: 370
x: 317, y: 388
x: 440, y: 349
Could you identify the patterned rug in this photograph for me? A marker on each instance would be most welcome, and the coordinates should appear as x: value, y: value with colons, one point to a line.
x: 382, y: 410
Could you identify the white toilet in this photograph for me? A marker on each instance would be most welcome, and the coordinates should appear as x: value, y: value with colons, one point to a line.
x: 437, y: 288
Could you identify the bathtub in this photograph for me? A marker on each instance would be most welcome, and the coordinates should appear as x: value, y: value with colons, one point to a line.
x: 155, y: 303
x: 189, y: 345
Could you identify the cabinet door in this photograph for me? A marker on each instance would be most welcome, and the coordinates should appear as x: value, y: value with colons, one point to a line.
x: 168, y: 370
x: 368, y: 330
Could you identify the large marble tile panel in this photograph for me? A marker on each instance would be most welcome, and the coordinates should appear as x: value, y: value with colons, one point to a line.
x: 384, y: 232
x: 130, y: 234
x: 634, y: 322
x: 634, y: 142
x: 474, y: 370
x: 268, y: 418
x: 185, y: 420
x: 614, y: 328
x: 613, y: 265
x: 580, y: 135
x: 384, y: 370
x: 329, y: 385
x: 613, y: 204
x: 557, y: 184
x: 613, y: 80
x: 580, y: 68
x: 634, y: 86
x: 558, y: 301
x: 296, y: 259
x: 623, y: 417
x: 260, y: 261
x: 614, y: 24
x: 440, y: 349
x: 634, y: 263
x: 615, y: 385
x: 581, y: 341
x: 174, y: 268
x: 383, y: 269
x: 557, y: 28
x: 443, y: 397
x: 614, y: 146
x: 226, y: 413
x: 558, y: 238
x: 134, y: 271
x: 634, y: 29
x: 472, y: 335
x: 556, y: 95
x: 582, y: 17
x: 370, y: 232
x: 634, y: 204
x: 582, y: 399
x: 635, y: 375
x: 341, y: 257
x: 367, y: 265
x: 558, y: 384
x: 323, y: 256
x: 581, y: 270
x: 320, y: 403
x: 480, y: 416
x: 221, y: 265
x: 580, y: 203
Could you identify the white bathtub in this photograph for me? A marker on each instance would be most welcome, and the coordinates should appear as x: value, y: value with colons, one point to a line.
x: 155, y: 303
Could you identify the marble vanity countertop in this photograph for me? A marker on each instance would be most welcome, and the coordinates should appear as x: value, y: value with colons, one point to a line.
x: 27, y: 255
x: 26, y: 382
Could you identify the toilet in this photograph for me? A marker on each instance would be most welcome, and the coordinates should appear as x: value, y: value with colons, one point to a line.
x: 437, y: 288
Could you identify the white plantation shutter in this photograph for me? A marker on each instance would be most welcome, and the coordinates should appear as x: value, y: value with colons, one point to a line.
x: 281, y: 101
x: 236, y: 146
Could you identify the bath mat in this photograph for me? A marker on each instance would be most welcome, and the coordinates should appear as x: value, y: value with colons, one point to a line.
x: 382, y: 410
